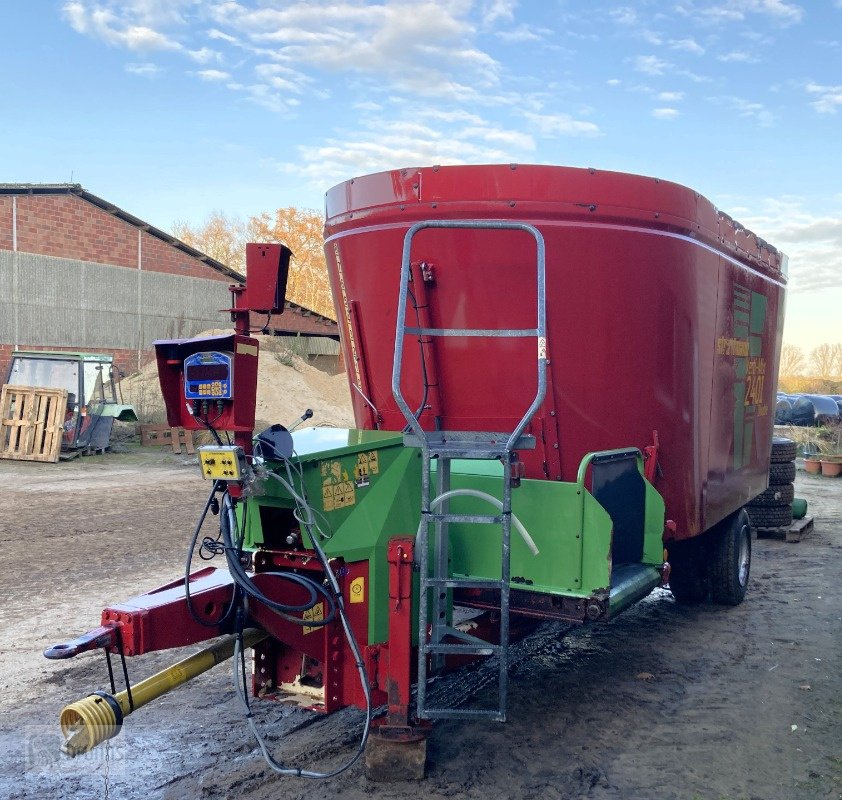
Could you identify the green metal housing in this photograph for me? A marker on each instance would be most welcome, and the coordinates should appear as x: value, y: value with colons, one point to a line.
x: 366, y: 484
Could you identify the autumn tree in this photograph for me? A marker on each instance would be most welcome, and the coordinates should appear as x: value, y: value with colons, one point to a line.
x: 301, y: 230
x: 221, y: 237
x: 792, y: 360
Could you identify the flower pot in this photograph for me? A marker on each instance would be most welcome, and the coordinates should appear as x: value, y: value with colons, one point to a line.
x: 812, y: 465
x: 831, y: 469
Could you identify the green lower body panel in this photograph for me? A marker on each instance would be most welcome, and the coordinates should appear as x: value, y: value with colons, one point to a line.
x: 574, y: 575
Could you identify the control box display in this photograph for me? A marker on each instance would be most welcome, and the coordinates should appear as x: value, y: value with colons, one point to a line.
x: 209, y: 376
x: 209, y: 381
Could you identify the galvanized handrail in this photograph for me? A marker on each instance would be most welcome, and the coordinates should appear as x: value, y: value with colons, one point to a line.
x: 461, y: 444
x: 540, y: 331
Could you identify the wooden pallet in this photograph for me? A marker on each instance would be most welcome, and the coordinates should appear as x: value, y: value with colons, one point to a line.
x: 31, y: 422
x: 794, y: 533
x: 163, y: 435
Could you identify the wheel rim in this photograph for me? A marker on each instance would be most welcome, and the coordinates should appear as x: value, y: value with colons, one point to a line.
x: 744, y: 559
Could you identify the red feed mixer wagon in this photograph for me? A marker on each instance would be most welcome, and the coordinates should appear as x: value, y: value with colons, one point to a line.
x: 563, y: 382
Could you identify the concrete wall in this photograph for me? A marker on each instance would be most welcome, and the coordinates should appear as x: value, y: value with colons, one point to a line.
x: 61, y: 303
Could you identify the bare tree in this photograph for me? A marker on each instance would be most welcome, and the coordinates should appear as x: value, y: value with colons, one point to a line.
x: 826, y: 360
x: 792, y: 360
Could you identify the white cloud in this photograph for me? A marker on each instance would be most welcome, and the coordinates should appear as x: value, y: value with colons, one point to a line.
x: 423, y: 47
x: 382, y: 144
x: 205, y: 55
x: 561, y: 125
x: 103, y: 23
x: 670, y: 97
x: 145, y: 70
x: 829, y: 98
x: 746, y: 108
x: 738, y: 55
x: 687, y: 46
x: 665, y: 113
x: 524, y: 33
x: 812, y: 241
x: 628, y: 17
x: 494, y: 10
x: 738, y: 10
x: 213, y: 75
x: 613, y: 82
x: 213, y: 33
x: 651, y: 65
x: 624, y: 15
x: 368, y: 105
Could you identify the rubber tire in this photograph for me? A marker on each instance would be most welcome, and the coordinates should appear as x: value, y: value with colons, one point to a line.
x: 688, y: 572
x: 783, y: 450
x: 770, y: 516
x: 730, y: 563
x: 781, y: 495
x: 779, y: 474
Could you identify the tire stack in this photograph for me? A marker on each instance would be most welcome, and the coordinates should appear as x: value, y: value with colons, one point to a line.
x: 773, y: 508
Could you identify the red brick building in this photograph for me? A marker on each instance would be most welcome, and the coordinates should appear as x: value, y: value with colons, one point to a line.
x: 79, y: 273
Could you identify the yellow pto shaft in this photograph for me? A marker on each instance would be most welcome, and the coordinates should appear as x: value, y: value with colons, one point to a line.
x: 97, y: 717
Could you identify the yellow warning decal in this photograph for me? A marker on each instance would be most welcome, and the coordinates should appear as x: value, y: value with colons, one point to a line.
x: 314, y: 614
x: 367, y: 464
x: 338, y: 491
x: 358, y: 590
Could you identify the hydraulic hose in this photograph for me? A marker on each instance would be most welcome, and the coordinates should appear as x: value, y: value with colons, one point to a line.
x: 90, y: 721
x: 244, y: 581
x: 498, y: 504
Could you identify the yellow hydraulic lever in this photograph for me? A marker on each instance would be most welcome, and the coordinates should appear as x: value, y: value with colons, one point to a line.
x: 97, y: 717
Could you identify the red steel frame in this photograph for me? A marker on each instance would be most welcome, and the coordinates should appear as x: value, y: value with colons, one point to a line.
x: 160, y: 620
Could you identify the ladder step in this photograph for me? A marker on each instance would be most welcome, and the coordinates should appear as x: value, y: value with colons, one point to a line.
x: 466, y: 713
x: 466, y: 583
x: 464, y: 649
x: 463, y: 636
x: 503, y: 333
x: 451, y: 444
x: 478, y: 519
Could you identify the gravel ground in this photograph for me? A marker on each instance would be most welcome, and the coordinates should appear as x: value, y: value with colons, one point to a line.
x: 665, y: 701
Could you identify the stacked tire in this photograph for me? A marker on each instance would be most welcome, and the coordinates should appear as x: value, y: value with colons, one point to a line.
x: 773, y: 508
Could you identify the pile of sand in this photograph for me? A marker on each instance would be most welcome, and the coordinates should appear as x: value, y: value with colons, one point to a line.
x: 286, y: 386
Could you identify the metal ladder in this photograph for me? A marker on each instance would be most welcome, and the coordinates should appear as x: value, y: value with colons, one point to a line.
x: 444, y: 446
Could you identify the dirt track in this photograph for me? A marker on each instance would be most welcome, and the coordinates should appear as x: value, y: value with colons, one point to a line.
x: 665, y: 702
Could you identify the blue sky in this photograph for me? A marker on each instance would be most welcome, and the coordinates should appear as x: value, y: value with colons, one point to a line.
x: 173, y: 109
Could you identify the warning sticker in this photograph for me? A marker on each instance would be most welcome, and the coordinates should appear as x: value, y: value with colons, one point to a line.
x: 338, y: 490
x: 314, y: 614
x: 358, y: 590
x: 366, y: 466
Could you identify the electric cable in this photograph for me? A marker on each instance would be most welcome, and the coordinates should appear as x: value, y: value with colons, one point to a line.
x: 421, y: 343
x: 190, y: 551
x: 245, y: 587
x: 305, y: 514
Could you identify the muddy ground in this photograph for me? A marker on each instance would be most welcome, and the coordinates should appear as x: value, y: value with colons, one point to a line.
x: 664, y: 702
